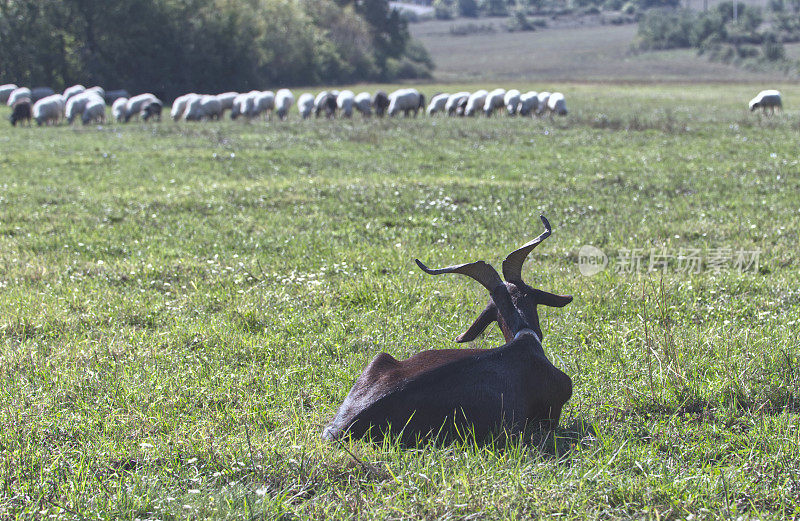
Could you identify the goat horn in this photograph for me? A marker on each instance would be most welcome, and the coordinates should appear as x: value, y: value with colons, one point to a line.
x: 512, y: 266
x: 480, y: 271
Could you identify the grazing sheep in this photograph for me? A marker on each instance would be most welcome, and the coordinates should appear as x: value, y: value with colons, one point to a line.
x: 6, y: 90
x: 453, y: 101
x: 73, y: 91
x: 202, y: 108
x: 77, y: 104
x: 48, y: 110
x: 344, y: 102
x: 113, y: 95
x: 17, y: 94
x: 475, y: 101
x: 556, y: 104
x: 542, y: 98
x: 226, y: 99
x: 511, y: 101
x: 325, y: 101
x: 381, y: 103
x: 284, y: 99
x: 363, y: 103
x: 100, y: 91
x: 38, y: 93
x: 150, y: 110
x: 437, y: 103
x: 494, y: 100
x: 528, y: 103
x: 264, y: 103
x: 118, y: 109
x: 21, y: 112
x: 305, y: 104
x: 767, y: 99
x: 135, y: 104
x: 179, y: 105
x: 405, y: 100
x: 95, y: 111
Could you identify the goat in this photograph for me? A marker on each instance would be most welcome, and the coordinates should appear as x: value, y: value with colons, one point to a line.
x: 452, y: 391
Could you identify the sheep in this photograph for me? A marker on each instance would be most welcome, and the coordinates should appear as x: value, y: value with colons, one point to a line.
x: 445, y: 393
x: 95, y: 111
x: 284, y: 99
x: 437, y: 103
x: 494, y: 100
x: 264, y: 103
x: 118, y: 109
x: 150, y: 110
x: 248, y: 104
x: 542, y: 99
x: 113, y: 95
x: 475, y: 101
x: 381, y: 103
x: 226, y: 99
x: 77, y: 104
x: 202, y: 107
x: 238, y: 105
x: 179, y: 105
x: 48, y: 110
x: 135, y: 104
x: 556, y: 104
x: 6, y: 90
x: 73, y: 91
x: 21, y: 112
x: 305, y: 104
x: 767, y: 99
x: 17, y: 94
x: 100, y: 91
x: 363, y: 103
x: 344, y: 102
x: 511, y: 101
x: 405, y: 100
x: 528, y: 103
x: 38, y: 93
x: 325, y: 101
x: 453, y: 101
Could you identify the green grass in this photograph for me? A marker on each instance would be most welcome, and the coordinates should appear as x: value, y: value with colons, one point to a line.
x: 183, y: 307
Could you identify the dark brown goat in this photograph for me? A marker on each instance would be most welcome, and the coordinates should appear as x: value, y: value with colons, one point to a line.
x: 452, y: 392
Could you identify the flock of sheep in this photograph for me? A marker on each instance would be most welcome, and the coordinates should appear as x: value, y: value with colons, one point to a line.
x: 47, y: 107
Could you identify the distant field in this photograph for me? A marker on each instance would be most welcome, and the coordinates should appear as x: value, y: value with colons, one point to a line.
x: 592, y: 53
x: 183, y: 307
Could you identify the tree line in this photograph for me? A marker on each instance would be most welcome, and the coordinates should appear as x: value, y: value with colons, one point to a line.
x: 177, y: 46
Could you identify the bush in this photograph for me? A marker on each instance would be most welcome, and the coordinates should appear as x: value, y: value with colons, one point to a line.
x: 468, y: 8
x: 442, y: 10
x: 519, y: 22
x: 494, y: 7
x: 471, y: 28
x: 629, y: 8
x: 772, y: 49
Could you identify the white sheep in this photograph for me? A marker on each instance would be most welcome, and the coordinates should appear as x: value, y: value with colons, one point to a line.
x: 202, y: 107
x: 542, y: 98
x: 494, y: 100
x: 405, y: 100
x: 48, y: 110
x: 136, y: 103
x: 95, y: 111
x: 556, y: 104
x: 73, y: 91
x: 284, y: 99
x: 767, y: 99
x: 511, y: 101
x: 77, y: 104
x: 226, y: 99
x: 528, y: 103
x: 97, y: 89
x: 437, y: 103
x: 475, y: 101
x: 238, y: 105
x: 363, y: 103
x: 17, y: 94
x: 179, y: 105
x: 264, y: 103
x: 454, y: 101
x: 118, y: 109
x: 6, y: 90
x: 345, y: 101
x: 305, y: 104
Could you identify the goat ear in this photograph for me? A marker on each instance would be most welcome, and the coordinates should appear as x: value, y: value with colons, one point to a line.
x: 551, y: 299
x: 486, y: 317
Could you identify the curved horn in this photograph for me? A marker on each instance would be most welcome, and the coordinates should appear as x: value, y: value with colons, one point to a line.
x: 480, y: 271
x: 512, y: 266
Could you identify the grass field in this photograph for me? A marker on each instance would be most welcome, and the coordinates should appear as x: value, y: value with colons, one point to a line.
x: 183, y: 307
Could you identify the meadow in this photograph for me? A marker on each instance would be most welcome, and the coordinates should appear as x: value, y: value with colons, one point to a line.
x: 184, y: 306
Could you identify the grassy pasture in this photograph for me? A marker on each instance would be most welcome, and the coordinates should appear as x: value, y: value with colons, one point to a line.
x: 183, y: 307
